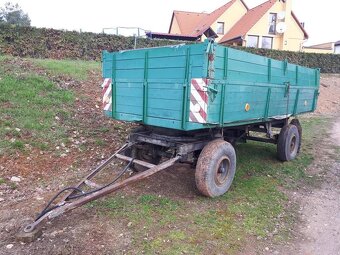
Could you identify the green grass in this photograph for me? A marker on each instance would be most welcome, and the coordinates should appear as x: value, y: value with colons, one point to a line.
x: 152, y: 209
x: 255, y: 206
x: 219, y: 226
x: 29, y: 105
x: 76, y: 69
x: 2, y: 181
x: 3, y: 57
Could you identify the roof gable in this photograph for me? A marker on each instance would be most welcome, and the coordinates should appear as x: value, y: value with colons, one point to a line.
x: 187, y: 21
x: 321, y: 46
x: 299, y: 24
x: 195, y: 24
x: 205, y: 23
x: 248, y: 21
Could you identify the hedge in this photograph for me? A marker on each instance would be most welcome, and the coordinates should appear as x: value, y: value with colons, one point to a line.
x: 328, y: 63
x: 58, y: 44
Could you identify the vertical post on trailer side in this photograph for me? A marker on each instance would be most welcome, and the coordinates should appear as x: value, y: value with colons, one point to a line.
x: 266, y: 113
x: 296, y: 102
x: 186, y: 88
x: 145, y: 86
x: 113, y: 87
x: 269, y: 70
x: 317, y: 83
x: 224, y: 84
x: 223, y: 89
x: 226, y: 63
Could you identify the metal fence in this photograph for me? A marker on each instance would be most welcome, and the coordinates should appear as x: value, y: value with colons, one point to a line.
x: 126, y: 31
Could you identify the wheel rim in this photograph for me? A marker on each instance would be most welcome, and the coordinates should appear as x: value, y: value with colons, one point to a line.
x: 292, y: 144
x: 222, y: 171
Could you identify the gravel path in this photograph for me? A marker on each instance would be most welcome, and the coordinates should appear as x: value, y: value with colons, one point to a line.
x: 318, y: 228
x: 321, y: 212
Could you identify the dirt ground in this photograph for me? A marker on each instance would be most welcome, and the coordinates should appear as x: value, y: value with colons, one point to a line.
x: 319, y: 209
x: 329, y: 99
x: 41, y: 175
x: 318, y: 232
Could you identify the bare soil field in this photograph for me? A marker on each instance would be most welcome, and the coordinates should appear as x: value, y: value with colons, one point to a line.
x: 329, y: 99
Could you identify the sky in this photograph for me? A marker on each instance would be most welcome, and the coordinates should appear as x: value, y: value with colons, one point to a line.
x: 320, y: 17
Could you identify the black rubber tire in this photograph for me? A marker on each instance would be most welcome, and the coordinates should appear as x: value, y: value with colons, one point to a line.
x: 215, y: 169
x: 296, y: 123
x: 288, y: 143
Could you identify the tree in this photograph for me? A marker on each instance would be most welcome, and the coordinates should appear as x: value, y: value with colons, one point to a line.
x: 14, y: 15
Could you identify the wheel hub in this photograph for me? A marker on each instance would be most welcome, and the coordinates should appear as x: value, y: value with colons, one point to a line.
x: 292, y: 144
x: 222, y: 171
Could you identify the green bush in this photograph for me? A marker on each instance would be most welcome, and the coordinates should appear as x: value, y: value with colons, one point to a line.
x: 57, y: 44
x: 328, y: 63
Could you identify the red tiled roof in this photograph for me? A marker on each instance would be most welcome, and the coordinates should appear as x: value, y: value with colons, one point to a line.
x: 196, y: 24
x: 248, y: 21
x: 187, y: 21
x: 207, y: 21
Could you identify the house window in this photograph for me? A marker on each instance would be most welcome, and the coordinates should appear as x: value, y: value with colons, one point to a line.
x: 267, y: 42
x: 272, y: 23
x: 253, y: 41
x: 220, y: 28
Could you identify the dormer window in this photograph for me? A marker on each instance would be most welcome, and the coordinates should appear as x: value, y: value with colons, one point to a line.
x: 220, y: 28
x: 272, y: 23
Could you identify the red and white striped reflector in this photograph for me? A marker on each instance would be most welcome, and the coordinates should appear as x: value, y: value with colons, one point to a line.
x: 198, y: 100
x: 107, y: 95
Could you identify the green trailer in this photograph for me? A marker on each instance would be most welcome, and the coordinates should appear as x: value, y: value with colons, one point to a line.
x: 198, y: 100
x: 200, y: 86
x: 193, y: 104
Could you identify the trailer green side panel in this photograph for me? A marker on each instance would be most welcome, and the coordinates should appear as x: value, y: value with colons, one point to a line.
x: 189, y: 87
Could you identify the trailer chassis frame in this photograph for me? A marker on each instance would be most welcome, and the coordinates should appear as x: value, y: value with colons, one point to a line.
x: 180, y: 146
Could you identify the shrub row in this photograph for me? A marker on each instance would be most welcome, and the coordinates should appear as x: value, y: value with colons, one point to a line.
x: 328, y: 63
x: 57, y: 44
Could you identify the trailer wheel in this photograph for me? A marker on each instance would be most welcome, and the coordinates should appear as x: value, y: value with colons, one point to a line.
x: 215, y: 169
x: 288, y: 143
x: 296, y: 123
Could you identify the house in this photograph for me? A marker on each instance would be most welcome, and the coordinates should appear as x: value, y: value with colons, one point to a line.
x: 271, y: 24
x: 320, y: 48
x: 337, y: 47
x: 326, y: 48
